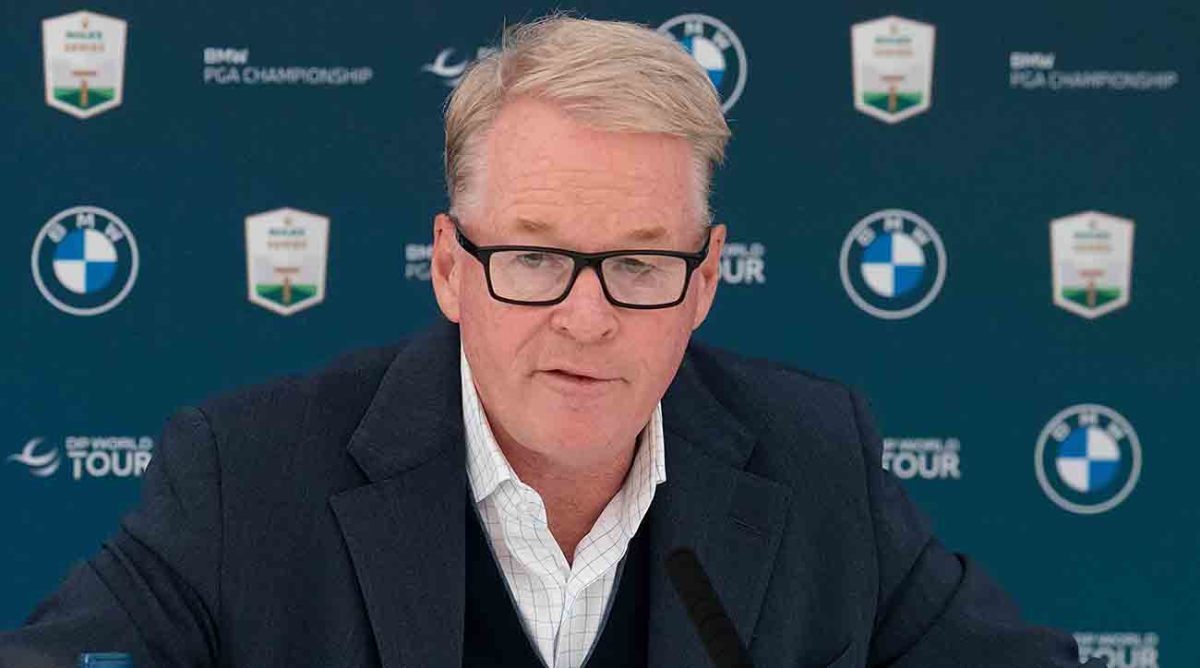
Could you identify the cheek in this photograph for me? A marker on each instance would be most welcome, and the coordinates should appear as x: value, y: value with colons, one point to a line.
x: 472, y: 285
x: 483, y: 318
x: 498, y: 335
x: 659, y: 343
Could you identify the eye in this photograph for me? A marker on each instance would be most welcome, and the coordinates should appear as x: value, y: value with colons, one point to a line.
x: 632, y: 265
x: 532, y: 260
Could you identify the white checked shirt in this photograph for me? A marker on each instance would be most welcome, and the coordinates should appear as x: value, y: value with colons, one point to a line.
x: 562, y: 606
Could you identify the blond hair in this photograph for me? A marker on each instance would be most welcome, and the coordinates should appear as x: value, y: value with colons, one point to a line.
x: 610, y: 75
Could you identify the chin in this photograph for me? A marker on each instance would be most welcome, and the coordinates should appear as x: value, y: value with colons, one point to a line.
x: 583, y: 406
x: 572, y: 438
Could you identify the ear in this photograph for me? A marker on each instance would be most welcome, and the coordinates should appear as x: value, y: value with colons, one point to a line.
x: 444, y: 268
x: 708, y: 275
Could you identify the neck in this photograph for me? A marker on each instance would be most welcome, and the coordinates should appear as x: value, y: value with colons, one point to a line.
x: 574, y: 496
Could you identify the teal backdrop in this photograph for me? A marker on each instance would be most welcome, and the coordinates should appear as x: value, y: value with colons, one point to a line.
x: 977, y: 375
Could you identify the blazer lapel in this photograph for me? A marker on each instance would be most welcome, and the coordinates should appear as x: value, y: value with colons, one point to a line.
x: 405, y: 529
x: 733, y: 519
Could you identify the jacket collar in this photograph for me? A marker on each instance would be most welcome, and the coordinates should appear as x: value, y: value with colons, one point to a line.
x: 732, y: 518
x: 416, y: 413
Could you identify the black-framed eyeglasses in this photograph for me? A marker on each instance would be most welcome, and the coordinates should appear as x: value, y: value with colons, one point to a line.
x: 542, y: 276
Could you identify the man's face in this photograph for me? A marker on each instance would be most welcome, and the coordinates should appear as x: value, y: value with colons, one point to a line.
x: 576, y: 381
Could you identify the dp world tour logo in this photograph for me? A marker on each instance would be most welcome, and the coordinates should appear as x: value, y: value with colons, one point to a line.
x: 85, y: 260
x: 1088, y: 459
x: 84, y: 62
x: 41, y: 465
x: 88, y: 456
x: 716, y: 48
x: 893, y: 264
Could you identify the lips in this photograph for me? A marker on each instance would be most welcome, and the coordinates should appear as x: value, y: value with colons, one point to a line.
x: 585, y: 378
x: 577, y: 382
x: 577, y: 374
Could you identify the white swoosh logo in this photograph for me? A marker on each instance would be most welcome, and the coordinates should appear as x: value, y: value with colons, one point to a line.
x: 444, y: 70
x: 39, y: 465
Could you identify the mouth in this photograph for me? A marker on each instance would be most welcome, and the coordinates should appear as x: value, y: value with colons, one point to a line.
x: 574, y: 381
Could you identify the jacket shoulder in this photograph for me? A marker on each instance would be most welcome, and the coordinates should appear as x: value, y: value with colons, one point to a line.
x: 327, y: 403
x: 782, y: 405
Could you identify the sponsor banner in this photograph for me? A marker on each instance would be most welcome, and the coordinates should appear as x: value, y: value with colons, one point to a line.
x: 84, y: 61
x: 85, y: 457
x: 717, y: 49
x: 1092, y: 258
x: 923, y: 458
x: 1040, y: 71
x: 893, y: 67
x: 230, y: 66
x: 84, y: 260
x: 1121, y: 650
x: 892, y: 264
x: 1088, y: 459
x: 286, y: 255
x: 744, y: 263
x: 417, y: 258
x: 449, y: 65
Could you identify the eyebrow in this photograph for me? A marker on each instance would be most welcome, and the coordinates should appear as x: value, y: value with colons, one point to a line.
x: 651, y: 233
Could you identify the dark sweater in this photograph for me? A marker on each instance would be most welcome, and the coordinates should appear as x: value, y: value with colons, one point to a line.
x: 493, y: 633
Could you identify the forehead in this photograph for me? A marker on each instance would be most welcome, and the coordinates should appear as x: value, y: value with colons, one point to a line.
x: 547, y: 174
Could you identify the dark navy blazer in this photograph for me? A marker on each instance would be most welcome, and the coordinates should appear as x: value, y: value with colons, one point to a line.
x: 319, y: 521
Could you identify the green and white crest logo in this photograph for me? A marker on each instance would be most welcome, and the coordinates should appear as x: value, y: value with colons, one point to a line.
x: 84, y: 61
x: 286, y: 252
x: 1092, y: 254
x: 893, y: 67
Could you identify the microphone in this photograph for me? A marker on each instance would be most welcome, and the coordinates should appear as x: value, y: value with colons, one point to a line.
x: 105, y: 660
x: 716, y: 630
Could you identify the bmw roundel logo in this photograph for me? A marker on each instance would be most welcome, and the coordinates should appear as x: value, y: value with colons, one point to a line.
x: 716, y: 48
x: 85, y: 260
x: 893, y: 264
x: 1088, y: 459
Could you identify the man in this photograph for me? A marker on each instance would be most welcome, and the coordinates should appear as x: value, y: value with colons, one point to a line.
x: 504, y: 488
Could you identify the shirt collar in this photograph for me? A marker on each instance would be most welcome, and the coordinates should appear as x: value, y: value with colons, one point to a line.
x: 488, y: 468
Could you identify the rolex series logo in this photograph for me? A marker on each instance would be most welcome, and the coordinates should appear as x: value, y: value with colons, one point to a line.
x: 286, y: 253
x: 1092, y: 253
x: 84, y: 61
x: 893, y: 67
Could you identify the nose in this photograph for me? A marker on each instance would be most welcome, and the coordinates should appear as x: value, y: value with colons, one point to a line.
x: 585, y: 315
